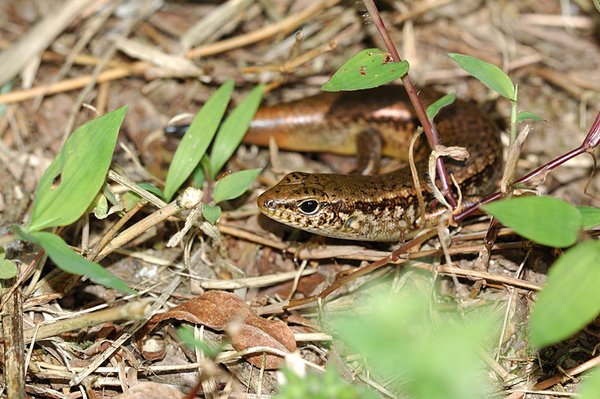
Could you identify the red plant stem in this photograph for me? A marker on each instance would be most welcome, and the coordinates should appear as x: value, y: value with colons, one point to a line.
x: 590, y: 142
x: 428, y: 127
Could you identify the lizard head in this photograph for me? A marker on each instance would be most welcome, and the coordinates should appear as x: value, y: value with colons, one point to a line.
x: 299, y: 200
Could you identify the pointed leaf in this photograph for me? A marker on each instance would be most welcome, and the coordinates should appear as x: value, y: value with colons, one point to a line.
x: 590, y: 216
x: 440, y: 103
x: 77, y: 174
x: 546, y: 220
x: 234, y: 185
x: 233, y: 129
x: 488, y: 74
x: 194, y: 143
x: 69, y: 261
x: 526, y: 115
x: 367, y: 69
x: 571, y: 298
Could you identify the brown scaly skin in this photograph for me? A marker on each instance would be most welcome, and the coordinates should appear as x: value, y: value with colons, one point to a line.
x: 370, y: 208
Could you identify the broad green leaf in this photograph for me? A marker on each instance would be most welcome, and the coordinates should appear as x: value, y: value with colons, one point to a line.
x: 73, y: 263
x: 211, y: 213
x: 590, y: 216
x: 488, y: 74
x: 8, y: 269
x: 571, y: 298
x: 233, y: 129
x: 545, y: 220
x: 590, y: 386
x: 77, y: 174
x: 440, y: 103
x: 369, y: 68
x: 397, y: 337
x: 234, y: 185
x: 194, y: 143
x: 526, y: 115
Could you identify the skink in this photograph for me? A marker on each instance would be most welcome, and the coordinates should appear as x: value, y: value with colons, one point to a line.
x: 370, y: 208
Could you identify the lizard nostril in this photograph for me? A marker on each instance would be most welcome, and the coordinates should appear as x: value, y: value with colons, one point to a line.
x: 266, y: 203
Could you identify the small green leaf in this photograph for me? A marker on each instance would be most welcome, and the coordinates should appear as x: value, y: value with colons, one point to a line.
x: 488, y: 74
x: 77, y: 174
x: 73, y: 263
x: 130, y: 199
x: 186, y: 335
x: 233, y: 129
x: 440, y: 103
x: 590, y: 216
x: 194, y: 143
x: 101, y: 208
x: 369, y: 68
x: 211, y: 213
x: 234, y: 185
x: 571, y: 298
x: 8, y: 269
x: 546, y: 220
x: 590, y: 386
x: 526, y: 115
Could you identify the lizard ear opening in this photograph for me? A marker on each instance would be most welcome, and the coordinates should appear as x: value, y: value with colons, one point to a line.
x: 309, y: 207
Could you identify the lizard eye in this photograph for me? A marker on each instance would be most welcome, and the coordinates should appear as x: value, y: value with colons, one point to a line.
x: 309, y: 207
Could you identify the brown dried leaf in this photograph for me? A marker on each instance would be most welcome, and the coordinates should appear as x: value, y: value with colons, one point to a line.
x: 257, y: 331
x: 224, y: 311
x: 151, y: 390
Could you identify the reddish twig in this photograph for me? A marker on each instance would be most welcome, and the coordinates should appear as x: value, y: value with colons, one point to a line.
x: 428, y: 126
x: 590, y: 142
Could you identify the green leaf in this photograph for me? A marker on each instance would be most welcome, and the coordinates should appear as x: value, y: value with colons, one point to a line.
x: 413, y: 356
x: 369, y: 68
x: 72, y: 262
x: 571, y: 298
x: 590, y: 386
x: 8, y: 269
x: 77, y: 174
x: 234, y: 185
x: 590, y: 216
x: 194, y: 143
x: 186, y: 335
x: 525, y: 115
x: 130, y: 199
x: 440, y: 103
x: 488, y: 74
x: 101, y: 208
x: 211, y: 213
x: 545, y: 220
x: 233, y: 129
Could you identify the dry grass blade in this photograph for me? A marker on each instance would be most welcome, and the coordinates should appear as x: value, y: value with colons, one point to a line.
x: 39, y: 38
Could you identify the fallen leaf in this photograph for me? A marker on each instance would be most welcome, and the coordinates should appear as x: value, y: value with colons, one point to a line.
x: 224, y: 311
x: 151, y: 390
